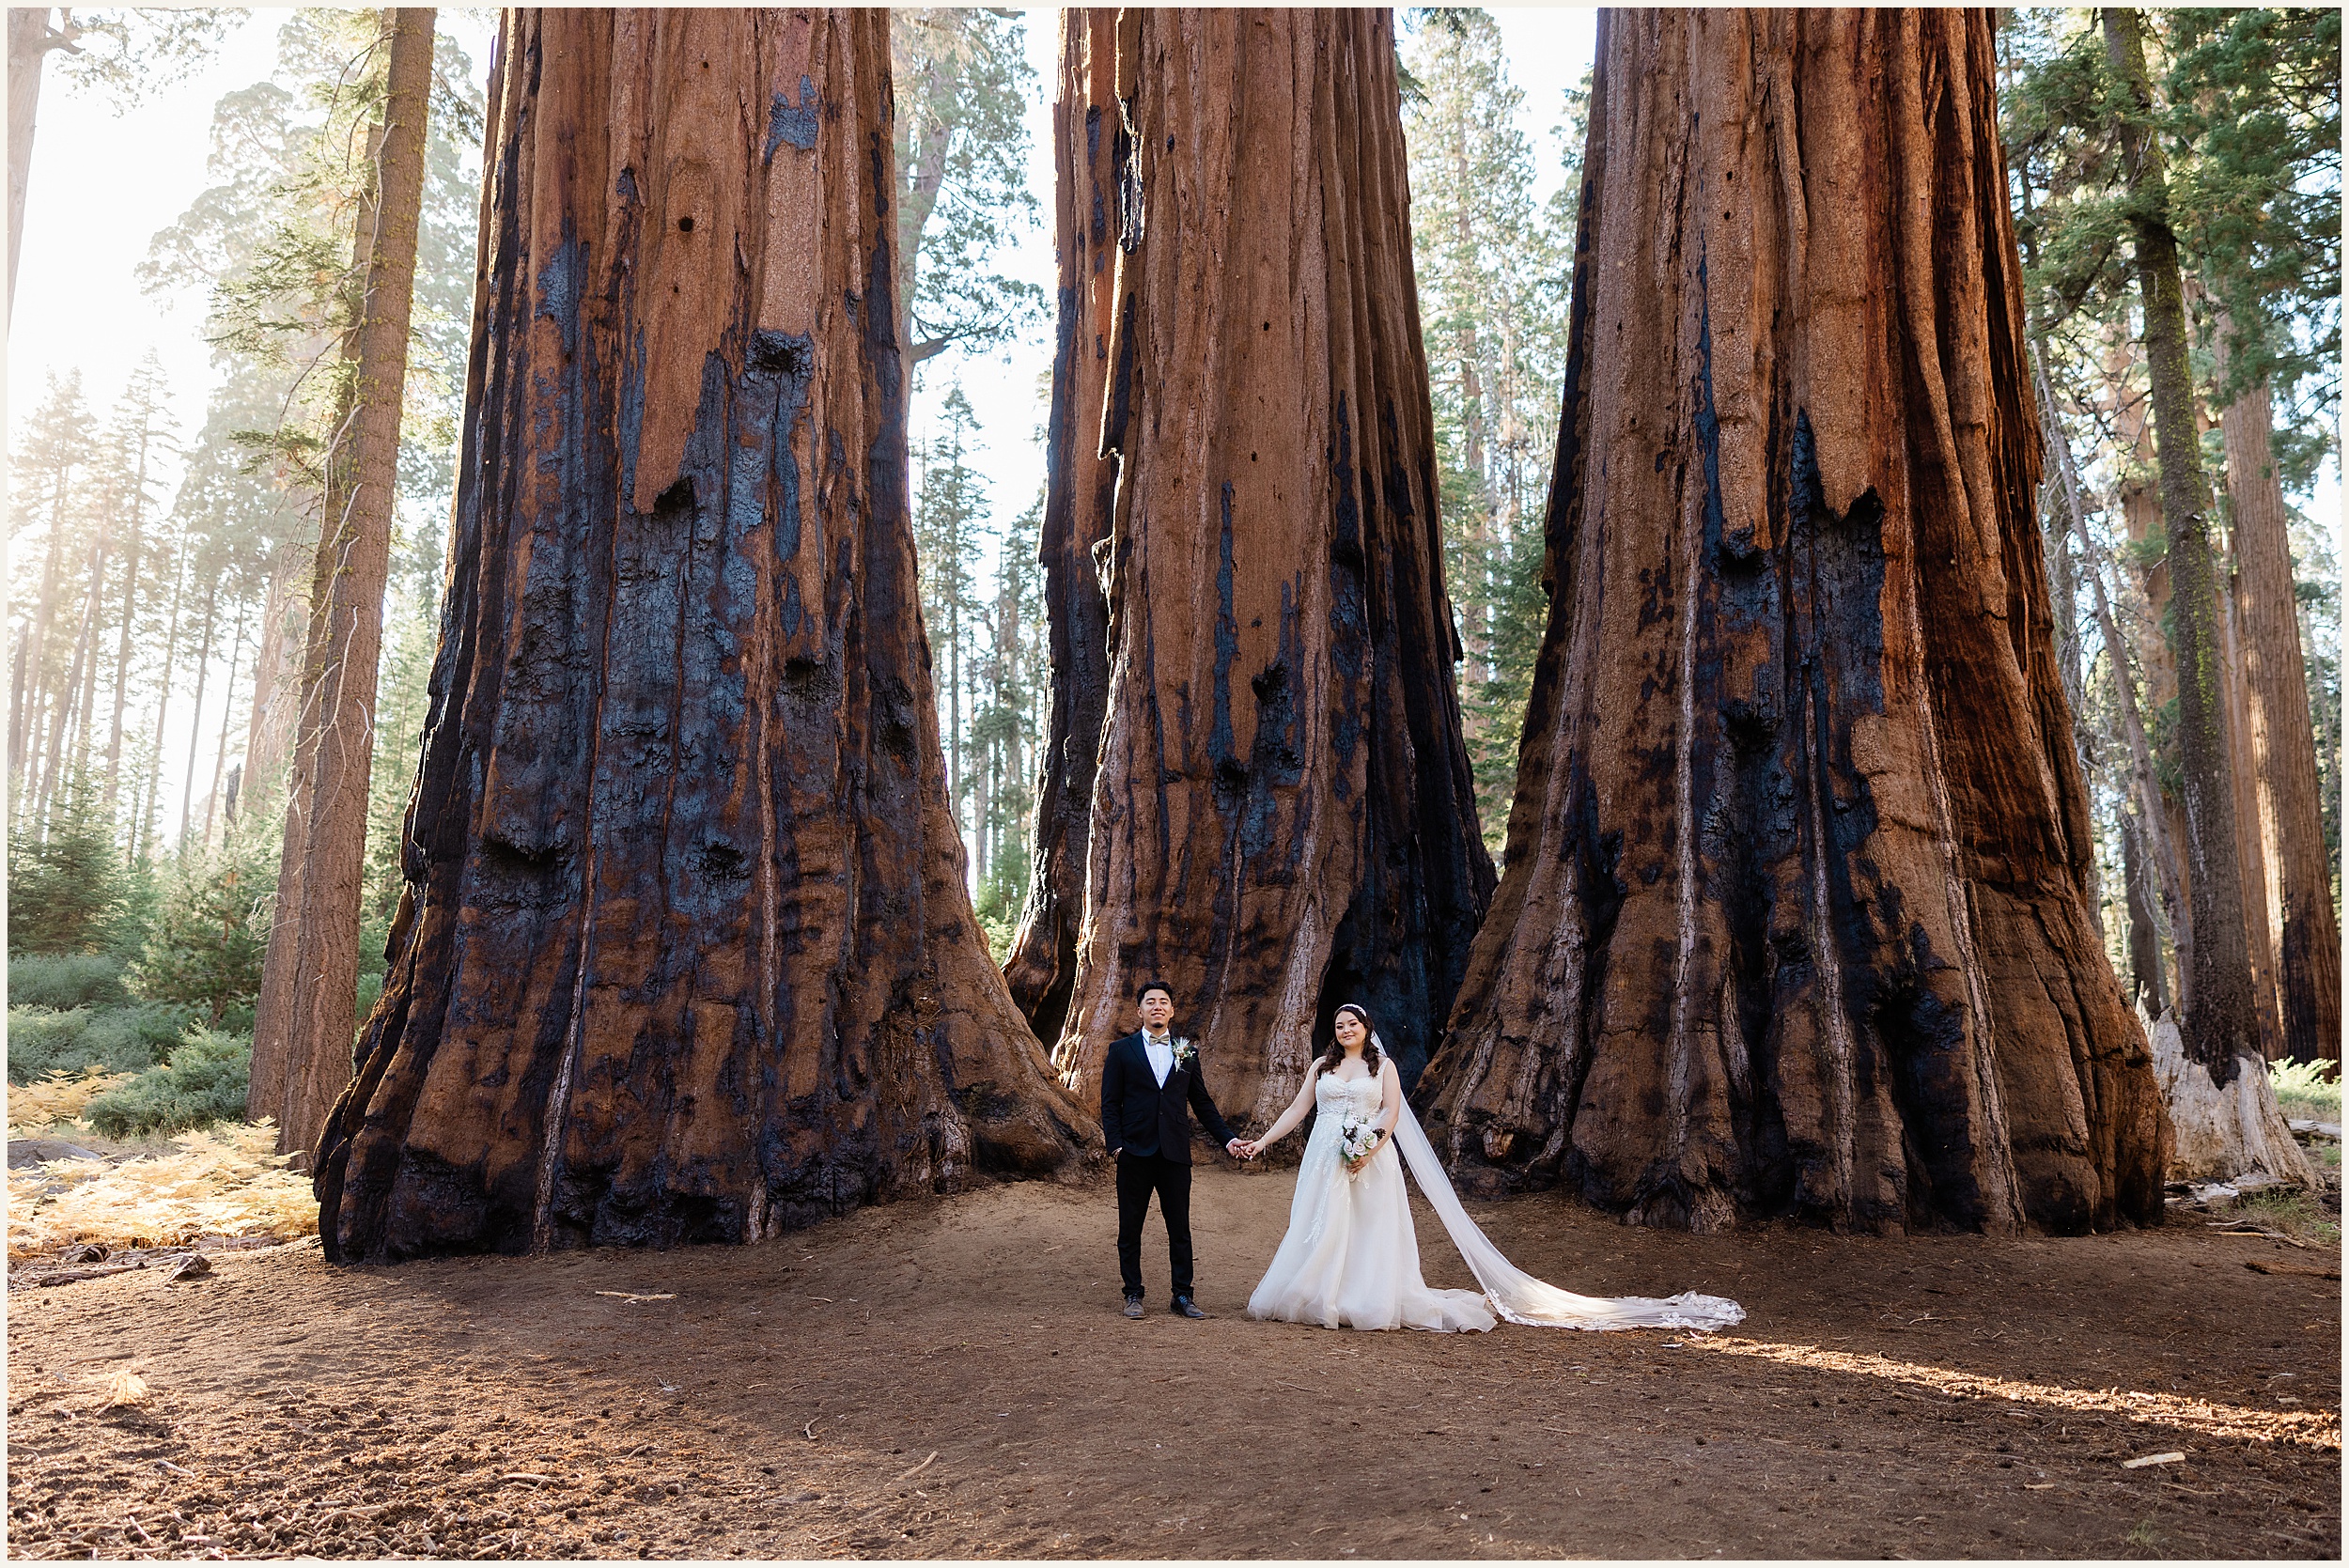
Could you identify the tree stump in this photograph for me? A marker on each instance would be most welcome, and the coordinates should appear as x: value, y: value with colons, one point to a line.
x: 686, y: 952
x: 1793, y: 915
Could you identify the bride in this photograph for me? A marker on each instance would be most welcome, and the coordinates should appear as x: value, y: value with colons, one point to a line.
x: 1350, y: 1257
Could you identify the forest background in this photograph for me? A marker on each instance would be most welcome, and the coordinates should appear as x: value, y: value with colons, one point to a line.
x: 166, y: 428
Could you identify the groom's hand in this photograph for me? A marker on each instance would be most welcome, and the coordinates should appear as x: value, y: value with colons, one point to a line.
x: 1236, y: 1149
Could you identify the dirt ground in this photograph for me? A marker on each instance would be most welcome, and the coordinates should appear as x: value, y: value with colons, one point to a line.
x: 953, y: 1379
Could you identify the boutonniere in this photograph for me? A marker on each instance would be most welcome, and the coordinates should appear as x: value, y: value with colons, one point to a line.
x: 1183, y: 1052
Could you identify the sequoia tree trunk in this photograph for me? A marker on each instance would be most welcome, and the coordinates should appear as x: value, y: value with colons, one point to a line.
x: 2297, y: 893
x: 1282, y: 818
x: 1090, y: 145
x: 1793, y: 920
x: 2220, y: 1027
x: 685, y: 952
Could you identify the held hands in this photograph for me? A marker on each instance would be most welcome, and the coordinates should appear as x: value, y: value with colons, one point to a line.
x: 1239, y: 1148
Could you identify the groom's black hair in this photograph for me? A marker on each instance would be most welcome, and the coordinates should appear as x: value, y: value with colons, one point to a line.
x: 1149, y: 985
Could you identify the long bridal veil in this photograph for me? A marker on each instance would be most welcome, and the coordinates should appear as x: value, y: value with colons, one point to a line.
x: 1520, y: 1297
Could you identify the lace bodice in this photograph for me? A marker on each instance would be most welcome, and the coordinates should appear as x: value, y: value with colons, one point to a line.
x: 1332, y: 1092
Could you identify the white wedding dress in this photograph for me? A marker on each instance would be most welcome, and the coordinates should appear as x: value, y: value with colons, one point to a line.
x: 1351, y: 1258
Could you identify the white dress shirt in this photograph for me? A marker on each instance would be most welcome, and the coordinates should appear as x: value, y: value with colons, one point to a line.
x: 1159, y: 1048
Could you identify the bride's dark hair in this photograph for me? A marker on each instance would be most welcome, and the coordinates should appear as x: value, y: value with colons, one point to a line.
x: 1372, y: 1056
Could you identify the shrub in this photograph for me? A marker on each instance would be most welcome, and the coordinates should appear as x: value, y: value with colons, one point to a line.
x: 204, y: 1082
x: 60, y: 981
x: 212, y: 929
x: 2307, y: 1090
x: 117, y: 1039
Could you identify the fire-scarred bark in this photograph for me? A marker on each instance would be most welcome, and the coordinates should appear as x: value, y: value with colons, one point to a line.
x: 1793, y: 919
x: 685, y: 952
x: 1090, y: 143
x: 1282, y: 816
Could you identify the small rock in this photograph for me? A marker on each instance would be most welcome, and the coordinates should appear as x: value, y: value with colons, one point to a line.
x: 196, y: 1266
x: 89, y: 1252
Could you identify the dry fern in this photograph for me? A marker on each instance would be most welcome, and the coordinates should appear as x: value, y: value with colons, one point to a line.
x: 225, y: 1182
x: 59, y: 1098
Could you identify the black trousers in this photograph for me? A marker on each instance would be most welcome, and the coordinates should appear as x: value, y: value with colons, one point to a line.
x: 1138, y: 1177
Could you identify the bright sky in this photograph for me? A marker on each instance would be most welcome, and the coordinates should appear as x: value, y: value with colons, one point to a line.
x: 102, y: 184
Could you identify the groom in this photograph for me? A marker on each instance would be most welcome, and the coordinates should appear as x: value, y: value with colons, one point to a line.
x: 1150, y: 1083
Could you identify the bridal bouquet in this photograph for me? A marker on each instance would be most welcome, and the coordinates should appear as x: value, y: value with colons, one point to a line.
x: 1356, y: 1139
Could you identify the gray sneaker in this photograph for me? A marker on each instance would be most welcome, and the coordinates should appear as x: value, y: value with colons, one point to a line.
x: 1133, y: 1307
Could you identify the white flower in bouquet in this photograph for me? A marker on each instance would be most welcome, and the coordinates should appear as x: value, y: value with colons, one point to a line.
x: 1357, y: 1138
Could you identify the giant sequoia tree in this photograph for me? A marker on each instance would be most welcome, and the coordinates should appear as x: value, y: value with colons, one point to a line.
x: 1249, y: 631
x: 685, y: 952
x: 1792, y: 916
x: 1089, y: 147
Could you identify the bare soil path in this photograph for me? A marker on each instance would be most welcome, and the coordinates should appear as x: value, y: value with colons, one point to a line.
x: 953, y: 1379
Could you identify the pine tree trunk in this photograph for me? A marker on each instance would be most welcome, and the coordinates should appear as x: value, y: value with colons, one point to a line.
x: 25, y: 723
x: 322, y: 1017
x: 1795, y: 917
x: 2145, y: 942
x: 277, y: 675
x: 2297, y: 893
x: 2219, y: 1028
x: 2150, y: 980
x: 2140, y: 514
x: 1091, y: 146
x: 122, y: 650
x: 195, y: 715
x: 2151, y: 831
x: 2250, y: 855
x: 143, y: 834
x: 2060, y: 517
x: 685, y: 951
x: 1282, y: 818
x: 79, y: 693
x: 228, y: 716
x: 284, y: 1065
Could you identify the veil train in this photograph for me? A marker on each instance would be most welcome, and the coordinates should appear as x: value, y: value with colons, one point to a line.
x: 1518, y: 1296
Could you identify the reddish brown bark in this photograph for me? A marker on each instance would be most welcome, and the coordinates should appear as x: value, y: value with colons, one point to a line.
x: 685, y: 952
x: 308, y: 1009
x: 2293, y: 897
x: 1282, y: 816
x: 1794, y: 918
x: 1090, y: 143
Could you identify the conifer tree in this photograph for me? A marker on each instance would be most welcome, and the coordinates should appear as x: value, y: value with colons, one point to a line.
x: 949, y: 514
x: 1489, y: 264
x: 962, y: 83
